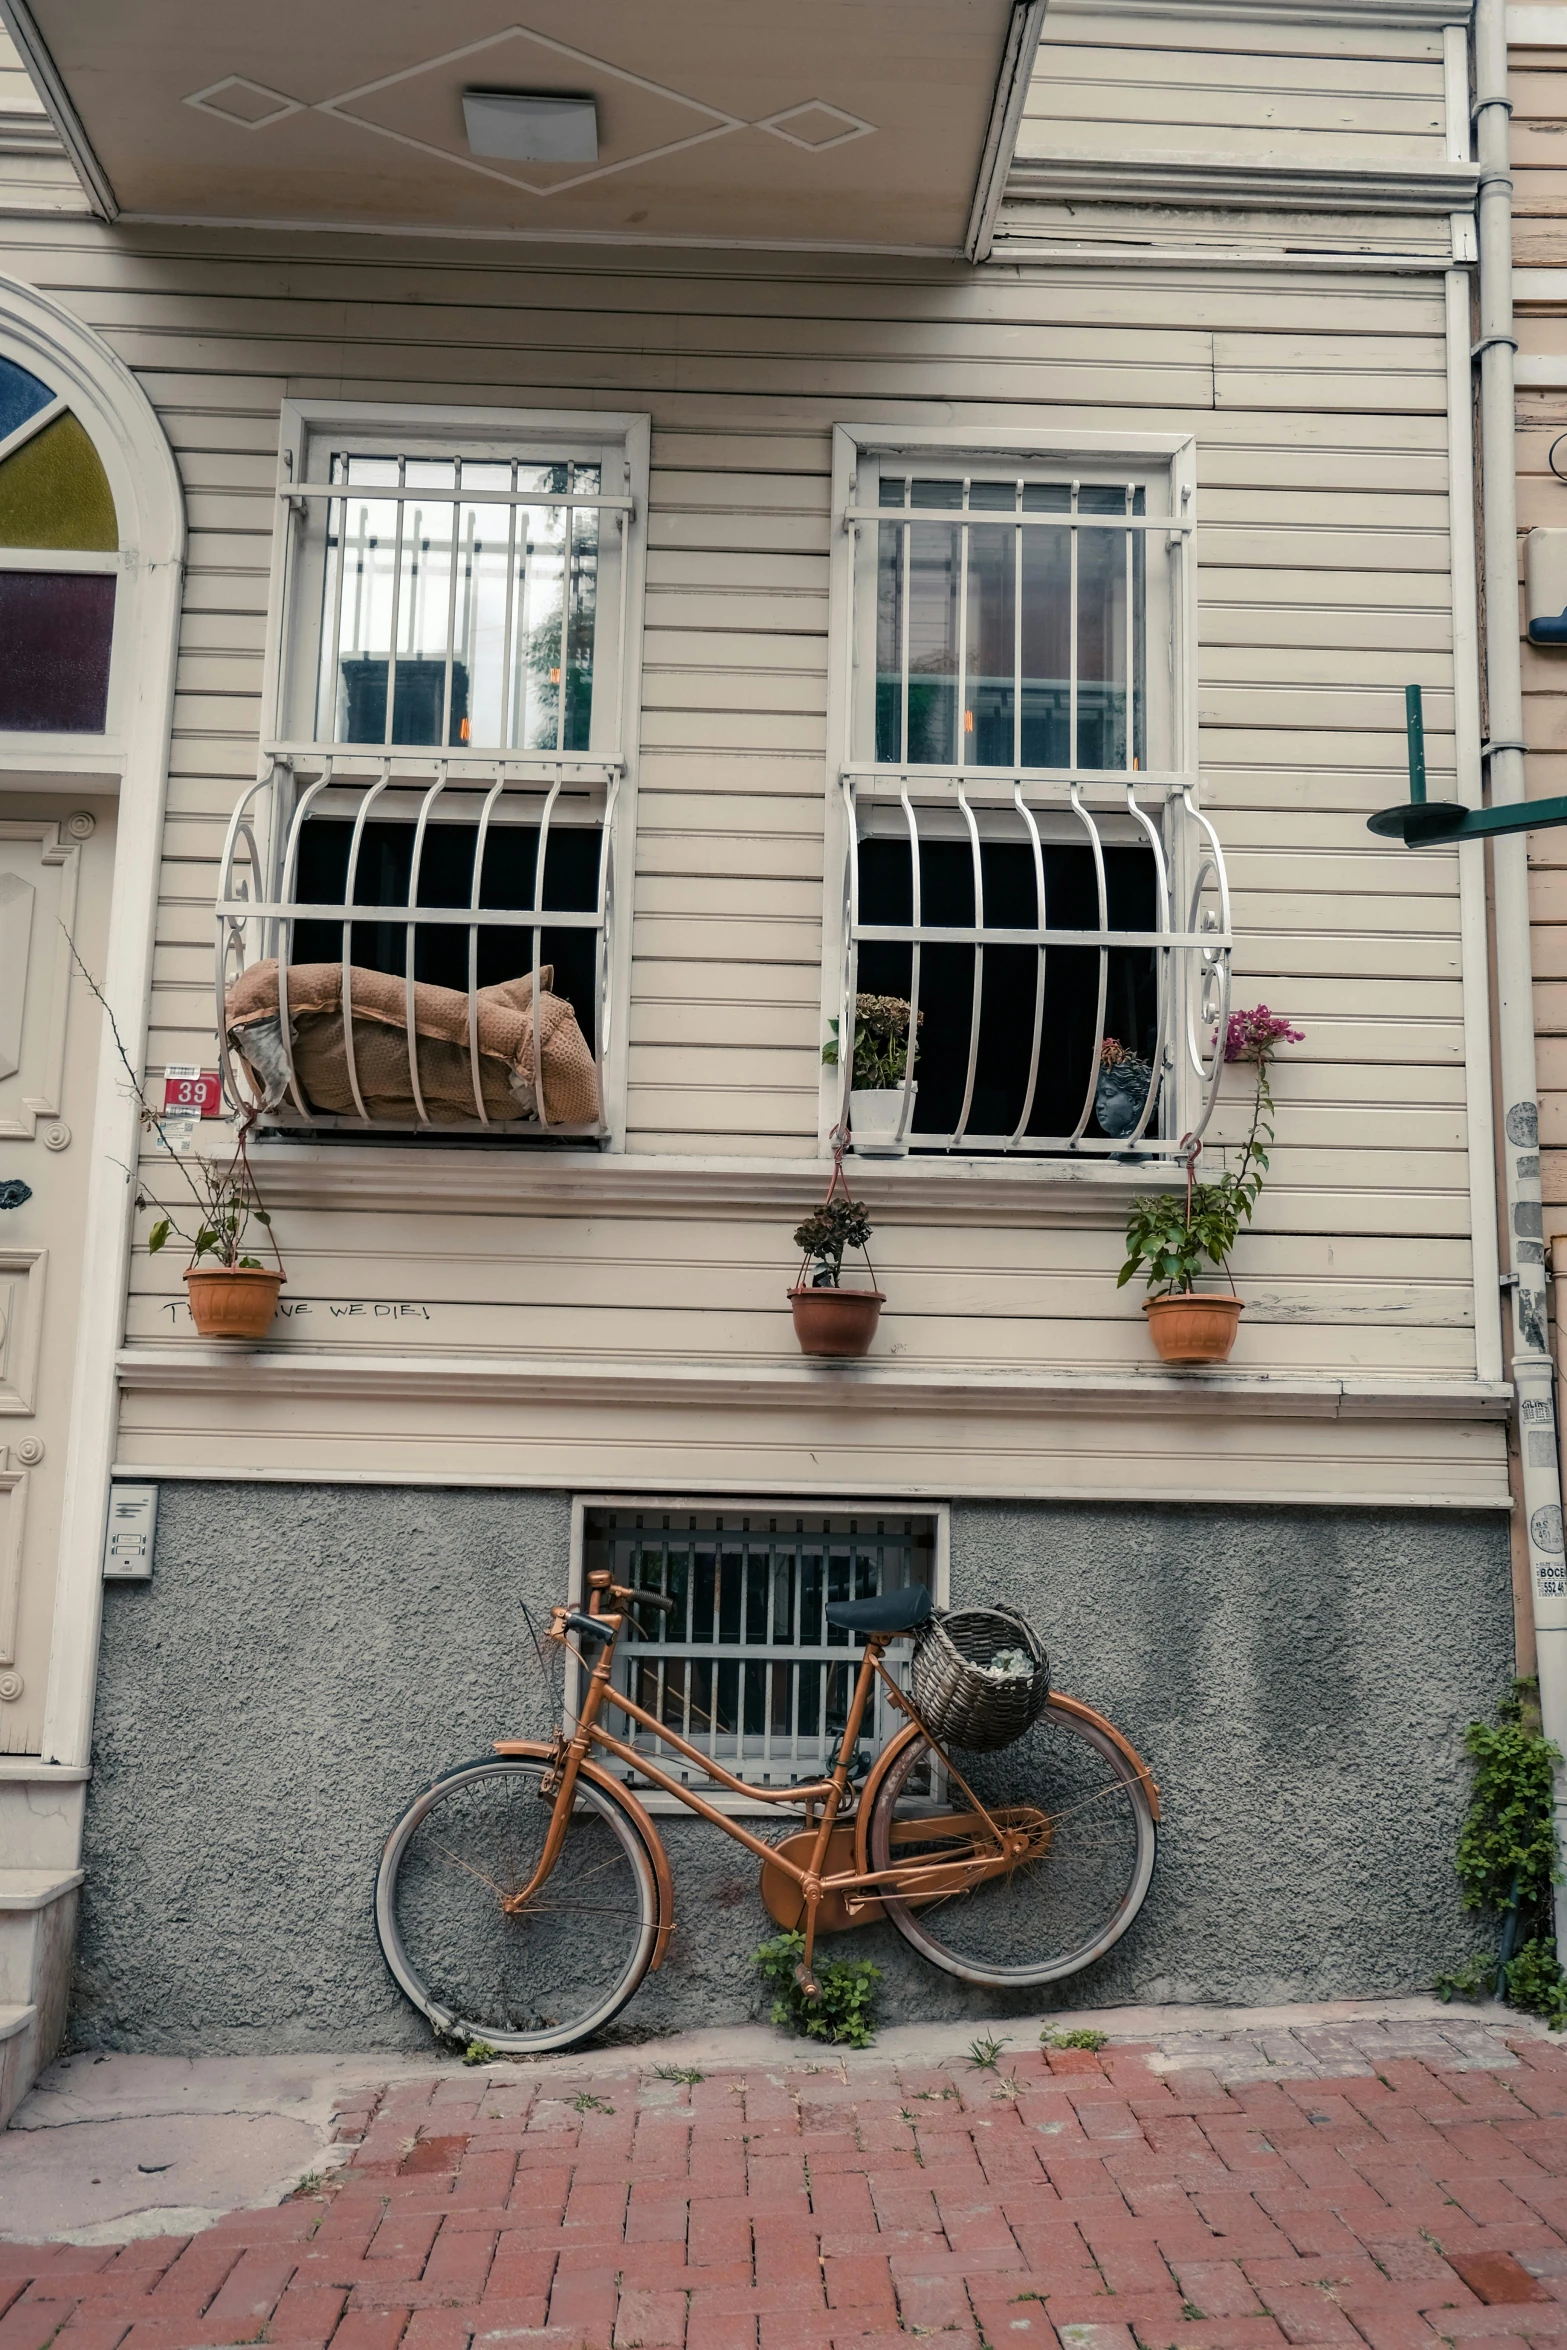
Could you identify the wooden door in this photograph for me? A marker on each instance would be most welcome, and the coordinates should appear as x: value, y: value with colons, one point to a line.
x: 56, y: 868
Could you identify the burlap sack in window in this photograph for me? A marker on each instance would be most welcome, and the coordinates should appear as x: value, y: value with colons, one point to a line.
x: 380, y: 1037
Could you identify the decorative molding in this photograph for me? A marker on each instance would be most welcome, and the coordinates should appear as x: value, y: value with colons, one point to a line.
x: 49, y: 974
x: 17, y: 18
x: 1024, y: 246
x: 1018, y: 59
x: 13, y: 1520
x: 523, y: 1181
x: 22, y: 1275
x: 1250, y: 187
x: 301, y: 1376
x: 539, y: 1477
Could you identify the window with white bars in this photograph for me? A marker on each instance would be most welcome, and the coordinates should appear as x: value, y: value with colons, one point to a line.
x: 440, y: 796
x: 1025, y: 858
x: 746, y: 1669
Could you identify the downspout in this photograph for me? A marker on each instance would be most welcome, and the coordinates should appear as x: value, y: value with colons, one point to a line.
x: 1532, y: 1377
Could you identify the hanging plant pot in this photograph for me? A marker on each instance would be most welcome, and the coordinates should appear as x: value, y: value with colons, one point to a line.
x: 1192, y: 1329
x: 875, y: 1113
x: 233, y: 1302
x: 835, y: 1321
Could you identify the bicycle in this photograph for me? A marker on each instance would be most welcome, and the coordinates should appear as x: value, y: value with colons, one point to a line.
x: 524, y: 1896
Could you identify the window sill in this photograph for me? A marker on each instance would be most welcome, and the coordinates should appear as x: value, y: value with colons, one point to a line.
x: 501, y: 1179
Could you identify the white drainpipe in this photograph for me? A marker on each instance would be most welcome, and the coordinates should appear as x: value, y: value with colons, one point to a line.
x: 1532, y: 1375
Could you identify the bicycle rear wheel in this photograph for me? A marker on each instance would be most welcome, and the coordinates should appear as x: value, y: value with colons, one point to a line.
x: 1082, y: 1861
x: 538, y: 1979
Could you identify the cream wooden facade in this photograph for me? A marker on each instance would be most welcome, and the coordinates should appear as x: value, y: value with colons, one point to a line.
x: 1249, y: 229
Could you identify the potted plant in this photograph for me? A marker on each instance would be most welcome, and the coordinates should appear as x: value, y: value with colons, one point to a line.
x: 829, y: 1319
x: 1172, y: 1235
x: 235, y: 1296
x: 1122, y: 1087
x: 878, y: 1079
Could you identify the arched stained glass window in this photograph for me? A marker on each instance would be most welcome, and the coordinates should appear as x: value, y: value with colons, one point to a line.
x: 56, y: 619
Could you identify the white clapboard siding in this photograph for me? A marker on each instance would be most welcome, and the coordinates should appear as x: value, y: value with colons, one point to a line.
x: 1539, y: 94
x: 1318, y: 406
x: 1245, y: 91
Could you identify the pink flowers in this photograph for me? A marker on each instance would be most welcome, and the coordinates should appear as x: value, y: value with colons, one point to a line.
x: 1257, y: 1035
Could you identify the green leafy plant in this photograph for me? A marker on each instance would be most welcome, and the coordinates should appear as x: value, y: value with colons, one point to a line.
x: 827, y: 1231
x: 844, y: 2011
x: 479, y: 2052
x: 1507, y: 1860
x: 881, y: 1041
x: 679, y: 2072
x: 586, y: 2102
x: 986, y: 2053
x: 1172, y: 1237
x: 224, y: 1201
x: 1081, y: 2038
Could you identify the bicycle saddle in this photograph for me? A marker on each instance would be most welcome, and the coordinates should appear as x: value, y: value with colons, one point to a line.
x: 890, y: 1611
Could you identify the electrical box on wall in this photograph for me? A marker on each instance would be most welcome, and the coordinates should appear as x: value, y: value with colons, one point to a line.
x: 1545, y: 586
x: 128, y: 1538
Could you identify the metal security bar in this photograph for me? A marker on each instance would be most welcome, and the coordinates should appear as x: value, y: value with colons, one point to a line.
x: 458, y: 598
x: 746, y: 1668
x: 517, y: 814
x: 969, y: 839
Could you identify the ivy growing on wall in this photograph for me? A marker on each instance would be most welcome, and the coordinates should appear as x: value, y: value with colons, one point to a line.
x: 1507, y: 1860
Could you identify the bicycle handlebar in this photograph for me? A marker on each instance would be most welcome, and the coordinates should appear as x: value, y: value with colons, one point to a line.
x: 654, y: 1599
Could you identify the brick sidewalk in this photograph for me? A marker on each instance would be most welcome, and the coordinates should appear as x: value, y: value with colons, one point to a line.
x: 1107, y: 2201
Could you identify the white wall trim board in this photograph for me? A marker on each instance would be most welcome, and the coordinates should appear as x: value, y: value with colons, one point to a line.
x: 298, y: 1374
x: 120, y: 420
x: 1531, y: 286
x: 33, y: 1769
x: 551, y: 1182
x: 1028, y: 250
x: 1250, y: 187
x: 1475, y: 946
x: 1263, y: 1497
x: 18, y: 20
x: 1546, y: 372
x: 1006, y: 113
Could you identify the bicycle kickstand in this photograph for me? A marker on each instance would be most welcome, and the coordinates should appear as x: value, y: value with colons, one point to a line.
x: 805, y: 1972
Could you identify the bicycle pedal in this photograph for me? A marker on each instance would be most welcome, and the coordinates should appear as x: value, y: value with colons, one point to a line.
x: 807, y: 1982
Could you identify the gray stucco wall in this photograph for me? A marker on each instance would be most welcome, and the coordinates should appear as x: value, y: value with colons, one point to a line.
x: 305, y: 1657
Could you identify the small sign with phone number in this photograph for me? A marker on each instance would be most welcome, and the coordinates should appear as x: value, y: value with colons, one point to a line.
x: 192, y: 1092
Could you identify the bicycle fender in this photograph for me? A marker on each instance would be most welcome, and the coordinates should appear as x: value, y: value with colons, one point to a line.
x: 642, y: 1819
x: 895, y: 1746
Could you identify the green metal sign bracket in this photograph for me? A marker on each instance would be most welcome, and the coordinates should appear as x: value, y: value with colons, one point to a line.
x: 1418, y: 821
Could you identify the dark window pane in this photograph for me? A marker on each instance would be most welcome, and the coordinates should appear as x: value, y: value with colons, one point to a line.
x: 56, y: 630
x: 1006, y: 1027
x: 511, y: 853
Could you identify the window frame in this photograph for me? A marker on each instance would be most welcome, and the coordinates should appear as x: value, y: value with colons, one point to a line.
x: 852, y: 767
x: 737, y: 1505
x: 620, y: 440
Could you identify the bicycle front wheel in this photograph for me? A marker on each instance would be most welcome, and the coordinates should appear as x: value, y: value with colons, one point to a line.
x: 1048, y: 1845
x: 534, y: 1979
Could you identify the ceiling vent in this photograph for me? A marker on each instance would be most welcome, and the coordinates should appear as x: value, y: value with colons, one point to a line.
x: 524, y: 127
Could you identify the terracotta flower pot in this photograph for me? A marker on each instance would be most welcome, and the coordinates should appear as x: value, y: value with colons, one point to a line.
x: 232, y: 1303
x: 835, y: 1321
x: 1193, y: 1329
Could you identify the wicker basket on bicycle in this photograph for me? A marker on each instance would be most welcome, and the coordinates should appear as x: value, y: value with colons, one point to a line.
x: 961, y: 1703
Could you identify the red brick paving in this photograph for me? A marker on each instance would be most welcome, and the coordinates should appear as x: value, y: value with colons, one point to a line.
x: 1080, y: 2203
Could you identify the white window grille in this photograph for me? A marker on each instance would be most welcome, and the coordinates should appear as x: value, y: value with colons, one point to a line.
x: 1024, y: 856
x: 746, y: 1669
x: 453, y: 676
